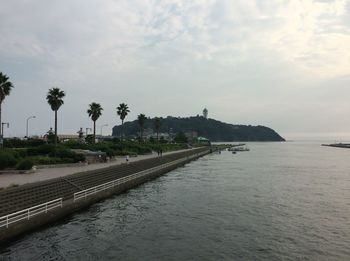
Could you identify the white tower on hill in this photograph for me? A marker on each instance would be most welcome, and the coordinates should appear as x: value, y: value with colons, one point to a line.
x: 205, y: 113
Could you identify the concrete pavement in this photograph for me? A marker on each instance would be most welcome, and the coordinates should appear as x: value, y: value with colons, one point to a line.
x: 45, y: 174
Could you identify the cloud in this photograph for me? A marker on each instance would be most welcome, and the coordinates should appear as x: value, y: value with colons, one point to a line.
x: 232, y: 56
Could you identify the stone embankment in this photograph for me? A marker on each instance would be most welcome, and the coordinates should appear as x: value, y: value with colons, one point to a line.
x: 92, y: 186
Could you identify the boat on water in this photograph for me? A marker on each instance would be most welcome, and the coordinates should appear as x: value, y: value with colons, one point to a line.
x: 237, y: 145
x: 238, y: 148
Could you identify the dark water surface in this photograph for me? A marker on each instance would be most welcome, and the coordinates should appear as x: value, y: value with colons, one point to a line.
x: 287, y: 201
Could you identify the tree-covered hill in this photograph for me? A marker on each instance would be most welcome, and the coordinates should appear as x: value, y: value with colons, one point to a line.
x: 209, y: 128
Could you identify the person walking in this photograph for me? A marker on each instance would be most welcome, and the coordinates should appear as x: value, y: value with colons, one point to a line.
x: 127, y: 159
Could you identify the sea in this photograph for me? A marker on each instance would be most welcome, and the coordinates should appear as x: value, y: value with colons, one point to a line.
x: 278, y: 201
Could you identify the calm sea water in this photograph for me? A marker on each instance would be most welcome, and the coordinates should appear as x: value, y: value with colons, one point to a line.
x: 288, y: 201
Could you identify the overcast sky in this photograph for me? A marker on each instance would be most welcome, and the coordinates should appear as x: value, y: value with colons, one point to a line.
x: 279, y: 63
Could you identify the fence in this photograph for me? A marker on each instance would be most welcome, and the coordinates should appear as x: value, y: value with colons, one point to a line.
x: 5, y: 221
x: 93, y: 190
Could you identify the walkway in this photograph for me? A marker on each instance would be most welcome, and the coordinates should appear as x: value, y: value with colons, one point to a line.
x: 45, y: 174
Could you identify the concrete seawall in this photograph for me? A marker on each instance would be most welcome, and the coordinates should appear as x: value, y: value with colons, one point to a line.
x: 70, y: 206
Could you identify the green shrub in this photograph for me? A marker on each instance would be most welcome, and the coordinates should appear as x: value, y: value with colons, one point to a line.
x: 125, y: 152
x: 115, y: 140
x: 22, y: 152
x: 89, y: 139
x: 104, y: 147
x: 24, y: 164
x: 143, y: 150
x: 109, y: 152
x: 18, y: 143
x: 78, y: 157
x: 67, y: 155
x: 7, y: 159
x: 41, y: 150
x: 45, y: 160
x: 75, y: 144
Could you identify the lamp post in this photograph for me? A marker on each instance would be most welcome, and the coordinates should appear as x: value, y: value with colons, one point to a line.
x: 30, y: 117
x: 2, y: 127
x: 102, y: 127
x: 87, y: 130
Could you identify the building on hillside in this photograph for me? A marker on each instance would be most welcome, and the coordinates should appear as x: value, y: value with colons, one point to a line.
x: 163, y: 136
x: 203, y: 141
x: 148, y: 133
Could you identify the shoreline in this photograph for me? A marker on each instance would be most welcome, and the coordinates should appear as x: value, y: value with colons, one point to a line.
x: 64, y: 190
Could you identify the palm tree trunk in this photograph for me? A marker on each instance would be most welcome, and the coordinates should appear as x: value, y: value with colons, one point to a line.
x: 122, y: 132
x: 94, y: 132
x: 56, y: 128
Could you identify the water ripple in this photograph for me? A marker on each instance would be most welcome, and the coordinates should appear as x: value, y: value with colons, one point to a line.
x: 279, y: 201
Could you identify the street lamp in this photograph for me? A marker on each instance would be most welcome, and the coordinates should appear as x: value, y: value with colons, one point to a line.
x: 102, y: 127
x: 87, y: 130
x: 2, y: 133
x: 2, y: 127
x: 30, y: 117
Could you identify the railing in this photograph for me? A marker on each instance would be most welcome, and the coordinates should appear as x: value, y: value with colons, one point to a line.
x: 93, y: 190
x: 5, y: 221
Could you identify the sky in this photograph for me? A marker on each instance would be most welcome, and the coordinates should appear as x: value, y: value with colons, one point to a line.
x: 278, y: 63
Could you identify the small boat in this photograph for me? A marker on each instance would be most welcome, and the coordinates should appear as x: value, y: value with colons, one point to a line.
x: 236, y: 145
x: 238, y: 149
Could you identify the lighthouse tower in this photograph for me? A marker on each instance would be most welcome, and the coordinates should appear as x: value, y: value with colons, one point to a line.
x: 205, y: 113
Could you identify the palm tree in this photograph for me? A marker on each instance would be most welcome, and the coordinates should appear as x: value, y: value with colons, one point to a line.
x: 5, y: 89
x: 94, y: 111
x: 157, y: 125
x: 141, y: 120
x: 122, y: 111
x: 55, y: 99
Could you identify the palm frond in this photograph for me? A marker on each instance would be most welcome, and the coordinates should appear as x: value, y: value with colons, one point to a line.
x: 55, y: 98
x: 95, y: 111
x: 5, y: 86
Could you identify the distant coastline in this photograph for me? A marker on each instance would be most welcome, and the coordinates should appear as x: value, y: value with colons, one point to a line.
x: 338, y: 145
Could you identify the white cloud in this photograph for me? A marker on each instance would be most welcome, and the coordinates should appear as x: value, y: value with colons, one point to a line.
x: 230, y: 55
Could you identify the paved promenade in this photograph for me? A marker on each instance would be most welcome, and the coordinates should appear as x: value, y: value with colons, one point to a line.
x: 45, y: 174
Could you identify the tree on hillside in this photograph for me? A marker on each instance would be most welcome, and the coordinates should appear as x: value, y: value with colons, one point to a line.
x: 55, y: 99
x: 157, y: 125
x: 180, y: 137
x: 141, y: 120
x: 94, y: 111
x: 122, y: 111
x: 5, y: 89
